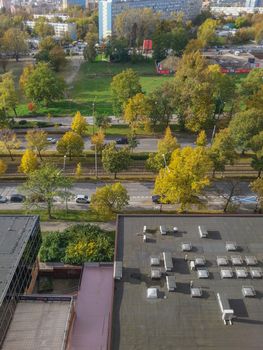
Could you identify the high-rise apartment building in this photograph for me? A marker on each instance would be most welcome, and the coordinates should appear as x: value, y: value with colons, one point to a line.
x: 109, y: 9
x: 68, y: 3
x: 4, y: 4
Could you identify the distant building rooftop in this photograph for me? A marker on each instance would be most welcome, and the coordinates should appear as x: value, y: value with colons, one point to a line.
x: 177, y: 320
x: 14, y: 234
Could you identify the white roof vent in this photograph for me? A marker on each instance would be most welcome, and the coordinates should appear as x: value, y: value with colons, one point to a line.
x: 155, y: 261
x: 256, y: 272
x: 200, y: 261
x: 196, y: 292
x: 241, y: 272
x: 226, y: 273
x: 222, y: 261
x: 251, y: 260
x: 156, y: 274
x: 152, y: 293
x: 231, y: 246
x: 202, y: 273
x: 248, y: 291
x: 186, y: 247
x: 236, y: 260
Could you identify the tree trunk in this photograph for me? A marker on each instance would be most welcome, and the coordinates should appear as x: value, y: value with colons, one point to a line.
x: 213, y: 173
x: 229, y: 199
x: 115, y: 176
x: 259, y: 173
x: 39, y: 154
x: 49, y: 209
x: 9, y: 151
x: 14, y: 109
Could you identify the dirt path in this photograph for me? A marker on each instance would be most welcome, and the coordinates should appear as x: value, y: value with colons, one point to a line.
x: 75, y: 63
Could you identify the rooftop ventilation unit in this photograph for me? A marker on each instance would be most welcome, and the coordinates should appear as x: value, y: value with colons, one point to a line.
x: 255, y: 272
x: 202, y: 273
x: 227, y: 312
x: 231, y: 246
x: 152, y: 293
x: 200, y: 261
x: 155, y: 261
x: 226, y: 273
x: 187, y: 247
x: 222, y: 261
x: 196, y: 292
x: 241, y: 272
x: 163, y: 230
x: 170, y: 283
x: 144, y: 231
x: 156, y: 274
x: 236, y: 260
x: 168, y: 261
x: 248, y: 291
x: 117, y: 270
x: 202, y: 231
x: 251, y: 260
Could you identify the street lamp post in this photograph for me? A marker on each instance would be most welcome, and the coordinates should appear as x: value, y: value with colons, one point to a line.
x: 64, y: 163
x: 165, y: 163
x: 93, y: 112
x: 96, y: 162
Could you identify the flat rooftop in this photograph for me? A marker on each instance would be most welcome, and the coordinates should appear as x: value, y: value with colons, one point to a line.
x: 92, y: 324
x: 175, y: 320
x: 15, y: 231
x: 38, y: 325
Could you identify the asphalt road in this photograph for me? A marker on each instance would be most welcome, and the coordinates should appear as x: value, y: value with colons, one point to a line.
x: 145, y: 144
x: 140, y: 194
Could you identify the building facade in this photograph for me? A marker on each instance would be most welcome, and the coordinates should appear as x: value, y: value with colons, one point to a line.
x: 60, y: 29
x: 109, y: 9
x: 68, y: 3
x: 20, y: 242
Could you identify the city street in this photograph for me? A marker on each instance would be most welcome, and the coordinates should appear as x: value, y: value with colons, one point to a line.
x: 140, y: 195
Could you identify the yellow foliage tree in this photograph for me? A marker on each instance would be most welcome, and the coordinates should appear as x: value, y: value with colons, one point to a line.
x: 98, y: 140
x: 28, y: 162
x: 70, y: 144
x: 79, y: 170
x: 201, y: 139
x: 136, y: 111
x: 185, y: 177
x: 79, y: 124
x: 3, y: 166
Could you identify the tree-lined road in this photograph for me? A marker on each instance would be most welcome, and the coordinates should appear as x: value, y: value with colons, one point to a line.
x: 140, y: 194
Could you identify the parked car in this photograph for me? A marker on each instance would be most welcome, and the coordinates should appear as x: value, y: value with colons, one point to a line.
x: 82, y: 198
x: 17, y: 198
x: 51, y: 140
x: 122, y: 141
x: 3, y: 199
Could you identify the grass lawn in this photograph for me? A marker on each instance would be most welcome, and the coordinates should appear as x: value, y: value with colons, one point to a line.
x: 92, y: 84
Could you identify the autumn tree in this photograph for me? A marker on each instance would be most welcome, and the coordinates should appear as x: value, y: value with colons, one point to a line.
x: 46, y: 183
x: 98, y: 140
x: 90, y: 51
x: 29, y: 162
x: 222, y: 151
x: 14, y: 42
x: 124, y: 86
x: 79, y: 170
x: 43, y: 28
x: 207, y: 32
x: 251, y: 86
x: 37, y: 140
x: 3, y: 166
x: 27, y: 71
x: 79, y: 124
x: 8, y: 94
x: 70, y: 144
x: 114, y: 159
x: 185, y: 178
x: 109, y: 199
x: 136, y: 111
x: 166, y: 146
x: 9, y: 141
x: 201, y: 139
x: 42, y: 85
x: 244, y: 126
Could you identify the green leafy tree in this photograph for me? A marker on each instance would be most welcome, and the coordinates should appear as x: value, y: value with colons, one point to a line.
x: 251, y: 85
x: 14, y: 42
x: 109, y: 199
x: 183, y: 181
x: 43, y: 28
x: 37, y: 140
x: 257, y: 162
x: 42, y: 85
x: 46, y: 183
x: 8, y: 94
x: 257, y: 187
x: 70, y: 144
x: 90, y: 51
x: 222, y: 150
x: 124, y: 85
x: 115, y: 160
x: 244, y: 126
x: 166, y: 146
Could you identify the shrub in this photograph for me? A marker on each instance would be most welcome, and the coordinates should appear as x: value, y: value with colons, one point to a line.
x: 78, y: 244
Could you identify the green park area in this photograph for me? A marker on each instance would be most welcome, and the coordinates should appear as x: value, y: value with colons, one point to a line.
x: 92, y: 84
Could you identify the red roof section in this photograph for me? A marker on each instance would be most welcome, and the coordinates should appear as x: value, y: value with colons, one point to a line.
x: 91, y: 329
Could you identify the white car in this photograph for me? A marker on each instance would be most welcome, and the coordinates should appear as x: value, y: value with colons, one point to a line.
x: 51, y: 140
x: 82, y: 198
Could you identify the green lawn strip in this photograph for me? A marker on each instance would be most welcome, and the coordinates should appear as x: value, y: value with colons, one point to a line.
x: 71, y: 215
